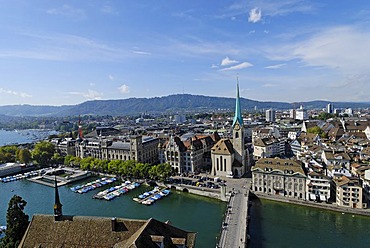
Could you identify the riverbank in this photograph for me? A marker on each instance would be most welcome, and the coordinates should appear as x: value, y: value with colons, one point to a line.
x: 326, y: 206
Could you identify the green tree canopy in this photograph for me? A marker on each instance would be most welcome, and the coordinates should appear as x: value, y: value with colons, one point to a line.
x: 43, y: 152
x: 317, y: 130
x: 16, y: 221
x: 24, y: 156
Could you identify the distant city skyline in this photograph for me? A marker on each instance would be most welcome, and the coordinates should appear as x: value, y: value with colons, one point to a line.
x: 68, y: 52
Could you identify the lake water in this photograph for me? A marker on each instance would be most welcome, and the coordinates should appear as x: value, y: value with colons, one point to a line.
x: 189, y: 212
x: 23, y: 136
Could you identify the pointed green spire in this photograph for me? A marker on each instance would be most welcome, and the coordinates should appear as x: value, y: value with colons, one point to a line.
x: 238, y: 112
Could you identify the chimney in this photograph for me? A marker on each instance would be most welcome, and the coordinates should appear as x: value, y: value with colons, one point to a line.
x: 114, y: 224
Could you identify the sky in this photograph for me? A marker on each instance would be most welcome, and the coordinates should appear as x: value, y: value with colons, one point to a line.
x: 69, y: 52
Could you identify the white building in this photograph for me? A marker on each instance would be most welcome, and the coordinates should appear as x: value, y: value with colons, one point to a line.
x: 301, y: 114
x: 330, y: 108
x: 270, y: 115
x: 318, y: 187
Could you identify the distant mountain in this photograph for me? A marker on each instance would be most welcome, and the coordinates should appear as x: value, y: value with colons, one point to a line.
x: 32, y: 110
x: 172, y: 103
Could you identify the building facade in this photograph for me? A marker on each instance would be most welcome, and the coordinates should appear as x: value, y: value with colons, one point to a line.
x: 281, y: 177
x: 349, y: 192
x: 135, y: 147
x: 270, y: 115
x: 190, y: 156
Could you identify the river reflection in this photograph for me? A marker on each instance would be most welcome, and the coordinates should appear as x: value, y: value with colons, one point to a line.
x: 275, y: 224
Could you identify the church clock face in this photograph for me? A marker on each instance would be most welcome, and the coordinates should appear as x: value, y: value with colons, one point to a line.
x: 237, y: 127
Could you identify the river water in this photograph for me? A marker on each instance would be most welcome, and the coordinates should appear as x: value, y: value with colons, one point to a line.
x: 272, y: 224
x: 189, y: 212
x: 275, y: 224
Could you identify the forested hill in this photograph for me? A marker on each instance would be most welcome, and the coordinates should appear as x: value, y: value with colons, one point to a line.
x: 172, y: 103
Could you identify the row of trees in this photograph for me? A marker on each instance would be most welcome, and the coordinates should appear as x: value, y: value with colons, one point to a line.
x: 128, y: 168
x: 43, y: 154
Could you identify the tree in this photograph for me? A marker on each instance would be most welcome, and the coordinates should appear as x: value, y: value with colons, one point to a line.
x: 57, y: 158
x: 317, y: 130
x: 16, y: 221
x: 43, y: 152
x: 24, y: 156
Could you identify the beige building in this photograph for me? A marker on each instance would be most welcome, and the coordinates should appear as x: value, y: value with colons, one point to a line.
x: 143, y: 149
x: 349, y: 192
x: 222, y: 158
x: 282, y: 177
x: 268, y: 147
x: 190, y: 156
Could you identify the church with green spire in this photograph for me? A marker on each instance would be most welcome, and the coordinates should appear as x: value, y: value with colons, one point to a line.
x: 229, y: 156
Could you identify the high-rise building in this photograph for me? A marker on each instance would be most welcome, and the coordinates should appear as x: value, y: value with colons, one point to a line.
x: 270, y: 115
x: 330, y: 108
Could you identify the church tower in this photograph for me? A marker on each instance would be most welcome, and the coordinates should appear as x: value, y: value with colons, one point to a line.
x: 57, y: 204
x: 238, y: 138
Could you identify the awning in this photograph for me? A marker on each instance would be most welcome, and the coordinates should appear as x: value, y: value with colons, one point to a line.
x: 322, y: 198
x: 312, y: 196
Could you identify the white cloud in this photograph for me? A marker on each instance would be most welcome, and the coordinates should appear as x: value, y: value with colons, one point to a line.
x: 252, y: 31
x: 269, y: 85
x: 141, y: 52
x: 226, y: 61
x: 344, y: 49
x: 124, y: 89
x: 64, y: 47
x: 89, y: 95
x: 67, y: 10
x: 255, y: 15
x: 111, y: 77
x: 275, y: 66
x: 270, y: 8
x: 214, y: 66
x: 15, y: 93
x: 237, y: 67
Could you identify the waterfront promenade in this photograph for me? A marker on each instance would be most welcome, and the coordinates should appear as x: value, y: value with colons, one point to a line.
x: 332, y: 207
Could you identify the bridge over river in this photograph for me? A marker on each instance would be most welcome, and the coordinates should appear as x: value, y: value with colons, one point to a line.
x: 234, y: 232
x: 235, y: 226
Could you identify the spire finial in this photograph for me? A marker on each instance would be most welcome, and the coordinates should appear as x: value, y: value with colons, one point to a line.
x: 57, y: 204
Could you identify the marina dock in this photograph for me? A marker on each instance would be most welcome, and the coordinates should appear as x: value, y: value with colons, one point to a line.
x: 152, y: 196
x: 63, y: 176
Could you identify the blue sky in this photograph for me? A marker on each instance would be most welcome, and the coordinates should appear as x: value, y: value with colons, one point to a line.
x: 68, y: 52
